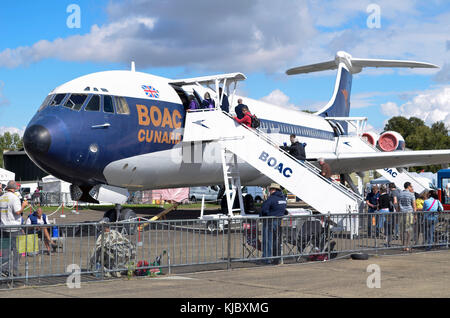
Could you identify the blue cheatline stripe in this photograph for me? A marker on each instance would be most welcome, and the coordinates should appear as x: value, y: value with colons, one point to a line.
x: 271, y: 126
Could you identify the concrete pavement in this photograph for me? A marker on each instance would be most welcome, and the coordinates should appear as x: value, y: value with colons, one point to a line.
x: 404, y: 275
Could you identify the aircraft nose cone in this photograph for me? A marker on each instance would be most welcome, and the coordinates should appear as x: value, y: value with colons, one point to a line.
x: 37, y: 140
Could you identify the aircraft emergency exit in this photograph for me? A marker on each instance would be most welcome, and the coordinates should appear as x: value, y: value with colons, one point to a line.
x: 123, y: 130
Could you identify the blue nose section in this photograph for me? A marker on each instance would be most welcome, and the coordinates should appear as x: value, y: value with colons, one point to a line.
x: 37, y: 141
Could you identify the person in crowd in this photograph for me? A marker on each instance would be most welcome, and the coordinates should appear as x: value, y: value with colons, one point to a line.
x: 225, y: 106
x: 393, y: 207
x: 372, y: 205
x: 11, y: 215
x: 274, y: 207
x: 36, y: 197
x: 246, y: 119
x: 418, y: 224
x: 239, y: 109
x: 325, y: 169
x: 296, y: 149
x: 407, y: 204
x: 431, y: 206
x: 208, y: 102
x: 39, y: 218
x: 192, y: 103
x: 385, y: 220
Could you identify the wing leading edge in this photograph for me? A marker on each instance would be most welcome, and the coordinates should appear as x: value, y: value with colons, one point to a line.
x: 363, y: 161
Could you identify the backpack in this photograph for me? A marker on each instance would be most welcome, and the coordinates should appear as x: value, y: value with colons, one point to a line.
x: 255, y: 121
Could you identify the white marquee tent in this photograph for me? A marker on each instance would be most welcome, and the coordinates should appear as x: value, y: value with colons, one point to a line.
x: 6, y: 175
x: 53, y: 184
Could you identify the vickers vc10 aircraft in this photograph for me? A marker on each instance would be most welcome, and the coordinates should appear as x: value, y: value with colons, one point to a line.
x: 125, y: 131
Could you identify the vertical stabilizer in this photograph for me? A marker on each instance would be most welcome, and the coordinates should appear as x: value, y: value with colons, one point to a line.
x: 339, y: 105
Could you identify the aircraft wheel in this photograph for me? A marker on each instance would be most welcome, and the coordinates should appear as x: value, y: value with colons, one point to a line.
x: 211, y: 226
x: 128, y: 215
x: 360, y: 256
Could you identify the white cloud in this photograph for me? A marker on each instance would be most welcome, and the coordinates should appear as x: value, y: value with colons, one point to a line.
x: 430, y: 106
x: 247, y: 35
x: 390, y: 109
x: 230, y: 36
x: 277, y: 97
x: 12, y: 130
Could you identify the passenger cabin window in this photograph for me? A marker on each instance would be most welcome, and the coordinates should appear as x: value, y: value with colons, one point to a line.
x: 94, y: 104
x: 57, y: 100
x: 121, y: 106
x: 108, y: 106
x: 75, y: 101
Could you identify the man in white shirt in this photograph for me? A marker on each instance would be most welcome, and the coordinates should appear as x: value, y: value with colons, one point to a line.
x: 11, y: 214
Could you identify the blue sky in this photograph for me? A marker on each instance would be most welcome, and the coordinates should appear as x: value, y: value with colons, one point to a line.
x: 260, y: 38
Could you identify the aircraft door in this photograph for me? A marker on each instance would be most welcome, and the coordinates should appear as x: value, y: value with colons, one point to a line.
x: 183, y: 96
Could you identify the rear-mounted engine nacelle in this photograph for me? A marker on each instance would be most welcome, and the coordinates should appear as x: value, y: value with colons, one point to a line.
x: 391, y: 141
x: 371, y: 138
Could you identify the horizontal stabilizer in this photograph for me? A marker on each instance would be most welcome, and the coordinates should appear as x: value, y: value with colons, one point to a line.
x: 324, y: 66
x: 354, y: 65
x: 390, y: 63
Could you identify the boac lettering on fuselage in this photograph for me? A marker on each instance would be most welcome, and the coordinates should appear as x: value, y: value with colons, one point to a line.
x: 392, y: 173
x: 162, y: 122
x: 272, y: 162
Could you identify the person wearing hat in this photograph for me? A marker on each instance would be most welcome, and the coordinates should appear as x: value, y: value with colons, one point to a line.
x: 274, y: 207
x: 11, y: 214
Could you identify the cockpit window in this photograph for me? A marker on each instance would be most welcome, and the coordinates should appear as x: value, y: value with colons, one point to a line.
x: 108, y: 106
x: 46, y: 102
x: 57, y: 100
x: 75, y: 101
x: 94, y: 104
x: 122, y: 105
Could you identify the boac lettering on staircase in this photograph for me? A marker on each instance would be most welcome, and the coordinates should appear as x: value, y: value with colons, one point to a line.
x: 273, y: 162
x: 392, y: 173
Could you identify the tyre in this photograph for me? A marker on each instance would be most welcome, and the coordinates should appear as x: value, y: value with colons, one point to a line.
x: 109, y: 216
x: 224, y: 204
x: 193, y: 199
x: 258, y: 200
x: 360, y: 256
x: 211, y: 226
x: 128, y: 215
x: 249, y: 205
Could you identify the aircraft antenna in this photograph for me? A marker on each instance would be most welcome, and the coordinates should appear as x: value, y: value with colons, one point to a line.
x: 133, y: 66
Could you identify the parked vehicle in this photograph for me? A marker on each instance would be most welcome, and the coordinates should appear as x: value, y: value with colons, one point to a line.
x: 210, y: 193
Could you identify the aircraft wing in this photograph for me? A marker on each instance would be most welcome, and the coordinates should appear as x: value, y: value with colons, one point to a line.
x: 363, y: 161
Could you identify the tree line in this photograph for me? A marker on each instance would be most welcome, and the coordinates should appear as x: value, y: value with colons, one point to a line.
x: 9, y: 141
x: 419, y: 136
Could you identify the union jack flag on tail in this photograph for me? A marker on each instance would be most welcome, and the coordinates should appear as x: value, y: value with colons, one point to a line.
x: 150, y: 91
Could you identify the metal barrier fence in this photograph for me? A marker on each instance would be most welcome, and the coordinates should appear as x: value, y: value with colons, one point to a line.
x: 52, y: 199
x: 99, y: 250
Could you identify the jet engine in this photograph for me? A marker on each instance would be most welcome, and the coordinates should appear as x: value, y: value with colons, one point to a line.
x: 391, y: 141
x: 371, y: 138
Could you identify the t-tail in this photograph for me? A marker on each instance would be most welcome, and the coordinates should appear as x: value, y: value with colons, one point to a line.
x: 339, y: 105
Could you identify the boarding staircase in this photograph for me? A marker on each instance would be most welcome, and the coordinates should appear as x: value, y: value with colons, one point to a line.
x: 257, y: 149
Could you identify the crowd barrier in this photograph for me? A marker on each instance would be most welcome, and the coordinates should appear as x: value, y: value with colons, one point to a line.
x: 96, y: 250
